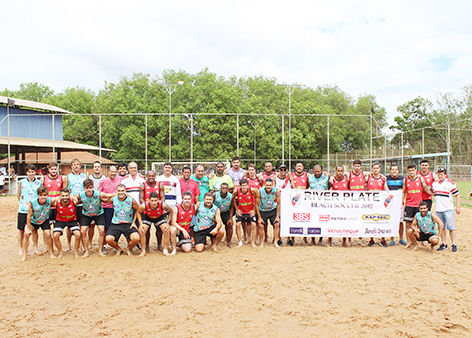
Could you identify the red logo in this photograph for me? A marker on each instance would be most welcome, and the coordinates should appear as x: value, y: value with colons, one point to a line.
x: 301, y: 216
x: 324, y: 218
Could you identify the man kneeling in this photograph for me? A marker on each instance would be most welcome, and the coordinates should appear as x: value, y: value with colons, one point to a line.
x: 123, y: 222
x: 424, y: 227
x: 207, y: 215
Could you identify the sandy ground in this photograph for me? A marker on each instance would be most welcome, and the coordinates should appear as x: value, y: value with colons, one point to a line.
x: 307, y: 291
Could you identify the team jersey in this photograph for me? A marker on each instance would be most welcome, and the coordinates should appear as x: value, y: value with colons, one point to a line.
x: 29, y: 191
x: 66, y: 213
x: 96, y: 181
x: 414, y: 192
x: 428, y: 179
x: 205, y: 217
x: 148, y: 189
x: 172, y: 189
x: 268, y: 201
x: 75, y: 183
x: 236, y: 176
x: 395, y: 183
x: 215, y: 182
x: 245, y: 201
x: 340, y: 185
x: 375, y: 184
x: 54, y: 185
x: 184, y: 217
x: 426, y: 223
x: 40, y: 211
x: 154, y: 213
x: 318, y: 183
x: 223, y: 203
x: 122, y: 210
x: 443, y: 192
x: 283, y: 183
x: 265, y: 176
x: 92, y: 205
x: 190, y: 186
x: 203, y: 185
x: 133, y: 184
x: 254, y: 183
x: 356, y: 182
x: 301, y: 182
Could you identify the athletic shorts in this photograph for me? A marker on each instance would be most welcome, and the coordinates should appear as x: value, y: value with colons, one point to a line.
x: 44, y: 225
x: 86, y: 220
x: 246, y: 218
x: 225, y: 217
x: 183, y: 240
x: 1, y: 187
x: 425, y: 237
x: 447, y: 217
x: 409, y: 214
x: 269, y: 215
x: 78, y: 213
x: 52, y: 215
x: 108, y: 212
x: 430, y: 204
x: 59, y: 226
x: 200, y: 236
x: 116, y: 230
x: 156, y: 221
x: 21, y: 222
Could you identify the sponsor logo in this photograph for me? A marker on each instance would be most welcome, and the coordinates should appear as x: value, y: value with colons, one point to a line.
x: 301, y: 216
x: 388, y: 201
x: 376, y: 231
x: 314, y: 231
x: 296, y: 199
x: 323, y: 218
x: 296, y: 231
x: 376, y: 217
x: 342, y: 231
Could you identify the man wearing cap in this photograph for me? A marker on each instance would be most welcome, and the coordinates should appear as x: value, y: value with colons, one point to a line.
x: 284, y: 181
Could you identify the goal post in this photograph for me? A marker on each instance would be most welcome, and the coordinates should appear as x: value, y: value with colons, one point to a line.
x: 209, y: 167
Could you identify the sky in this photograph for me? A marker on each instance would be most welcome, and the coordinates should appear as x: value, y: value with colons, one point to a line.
x: 395, y: 50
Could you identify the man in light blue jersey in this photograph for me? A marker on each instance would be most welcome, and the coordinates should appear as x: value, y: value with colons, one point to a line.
x: 208, y: 224
x: 223, y: 200
x: 75, y: 184
x: 202, y: 181
x: 268, y: 209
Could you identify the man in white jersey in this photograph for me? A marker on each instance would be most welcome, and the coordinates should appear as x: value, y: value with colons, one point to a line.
x: 284, y: 181
x: 171, y: 186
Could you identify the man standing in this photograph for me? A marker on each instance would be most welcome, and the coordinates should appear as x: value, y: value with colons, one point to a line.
x: 236, y: 172
x: 133, y: 181
x: 75, y: 184
x: 339, y: 182
x: 122, y: 172
x: 376, y: 182
x: 429, y: 177
x: 356, y: 179
x: 244, y: 203
x: 182, y: 216
x: 444, y: 189
x: 268, y: 173
x: 173, y: 193
x: 220, y: 177
x: 38, y: 217
x: 207, y: 214
x: 66, y: 217
x: 188, y: 184
x: 413, y: 186
x: 158, y: 213
x: 123, y: 222
x: 223, y: 200
x: 108, y: 185
x: 268, y: 209
x: 319, y: 181
x: 300, y: 178
x: 97, y: 175
x: 149, y: 186
x: 424, y: 227
x: 27, y: 191
x: 284, y: 181
x: 202, y: 181
x: 252, y: 177
x: 2, y: 183
x: 395, y: 182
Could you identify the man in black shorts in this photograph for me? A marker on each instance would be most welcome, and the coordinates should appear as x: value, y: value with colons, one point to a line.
x: 66, y: 216
x: 223, y: 199
x: 268, y: 208
x: 244, y: 202
x: 182, y: 216
x: 425, y: 227
x: 208, y: 224
x: 158, y: 213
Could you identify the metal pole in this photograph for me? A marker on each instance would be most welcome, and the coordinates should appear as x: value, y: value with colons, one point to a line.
x: 9, y: 164
x: 283, y: 138
x: 290, y: 131
x: 327, y: 142
x: 237, y: 134
x: 448, y: 144
x: 170, y: 125
x: 254, y: 145
x: 422, y: 142
x: 100, y: 136
x: 385, y: 155
x: 191, y: 143
x: 371, y: 138
x: 53, y: 141
x: 402, y: 151
x: 146, y: 142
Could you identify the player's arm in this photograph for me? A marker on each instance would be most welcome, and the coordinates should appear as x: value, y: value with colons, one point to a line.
x: 135, y: 207
x: 257, y: 194
x: 219, y: 222
x: 253, y: 211
x: 425, y: 187
x: 162, y: 192
x: 403, y: 191
x: 277, y: 218
x: 290, y: 177
x: 178, y: 195
x: 65, y: 183
x: 330, y: 183
x: 104, y: 197
x: 235, y: 206
x: 141, y: 194
x: 385, y: 183
x: 438, y: 222
x: 167, y: 209
x: 458, y: 203
x: 415, y: 224
x: 139, y: 217
x: 29, y: 228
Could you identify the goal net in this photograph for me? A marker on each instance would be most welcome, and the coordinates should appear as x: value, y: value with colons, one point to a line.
x: 209, y: 167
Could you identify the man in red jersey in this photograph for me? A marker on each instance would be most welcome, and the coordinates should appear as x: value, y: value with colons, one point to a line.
x: 429, y: 178
x: 356, y: 178
x: 252, y: 178
x: 269, y: 172
x: 375, y: 182
x: 413, y: 187
x: 244, y: 202
x: 182, y: 216
x: 299, y: 176
x: 338, y: 182
x: 54, y: 182
x: 190, y: 185
x: 158, y: 213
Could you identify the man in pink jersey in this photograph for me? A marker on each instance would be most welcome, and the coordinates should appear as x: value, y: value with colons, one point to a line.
x: 413, y: 187
x: 188, y: 184
x: 429, y: 177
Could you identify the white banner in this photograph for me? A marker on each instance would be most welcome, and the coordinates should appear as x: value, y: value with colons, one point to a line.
x: 330, y: 213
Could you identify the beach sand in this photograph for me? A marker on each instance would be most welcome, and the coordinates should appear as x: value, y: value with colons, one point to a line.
x: 301, y: 291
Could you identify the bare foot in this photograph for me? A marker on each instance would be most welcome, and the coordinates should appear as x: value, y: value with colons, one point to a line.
x: 20, y: 253
x: 253, y: 245
x: 240, y: 243
x: 68, y: 249
x: 173, y: 252
x: 60, y: 255
x: 229, y: 245
x: 86, y: 254
x: 37, y: 253
x: 266, y: 239
x: 23, y: 259
x: 276, y: 245
x: 344, y: 244
x: 215, y: 249
x: 128, y: 252
x: 100, y: 253
x: 148, y: 249
x: 45, y: 251
x: 143, y: 253
x: 416, y: 248
x: 408, y: 245
x: 52, y: 256
x: 118, y: 252
x: 165, y: 252
x: 261, y: 245
x: 76, y: 255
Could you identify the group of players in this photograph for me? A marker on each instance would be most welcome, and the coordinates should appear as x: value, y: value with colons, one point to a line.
x: 186, y: 211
